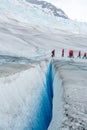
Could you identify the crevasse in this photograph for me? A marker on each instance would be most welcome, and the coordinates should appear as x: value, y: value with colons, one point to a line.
x: 43, y: 117
x: 50, y: 111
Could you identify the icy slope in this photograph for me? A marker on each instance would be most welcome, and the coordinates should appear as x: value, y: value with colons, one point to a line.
x: 21, y: 12
x: 30, y: 42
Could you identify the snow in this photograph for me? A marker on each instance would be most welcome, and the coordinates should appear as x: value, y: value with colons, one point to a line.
x: 30, y: 83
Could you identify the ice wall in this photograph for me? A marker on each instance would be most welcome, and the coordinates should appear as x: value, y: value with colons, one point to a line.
x: 26, y: 97
x: 43, y: 115
x: 58, y: 116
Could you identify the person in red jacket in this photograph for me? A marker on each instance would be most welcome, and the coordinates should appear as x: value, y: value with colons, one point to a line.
x: 79, y: 54
x: 53, y: 53
x: 71, y: 53
x: 85, y: 55
x: 62, y: 52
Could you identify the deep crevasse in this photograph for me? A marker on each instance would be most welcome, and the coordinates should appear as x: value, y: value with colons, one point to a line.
x: 28, y: 98
x: 44, y: 108
x: 51, y: 108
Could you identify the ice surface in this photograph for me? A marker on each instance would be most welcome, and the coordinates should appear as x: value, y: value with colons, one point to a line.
x: 74, y: 97
x: 27, y: 37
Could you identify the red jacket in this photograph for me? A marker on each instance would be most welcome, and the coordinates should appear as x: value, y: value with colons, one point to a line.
x: 79, y: 53
x: 62, y: 51
x: 85, y: 54
x: 71, y: 53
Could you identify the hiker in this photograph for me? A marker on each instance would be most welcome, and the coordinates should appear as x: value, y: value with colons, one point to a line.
x: 79, y: 54
x: 85, y: 55
x: 53, y: 53
x: 71, y: 53
x: 62, y: 52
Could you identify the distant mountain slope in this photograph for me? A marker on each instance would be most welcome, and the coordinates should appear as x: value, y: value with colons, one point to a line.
x: 49, y: 8
x: 38, y: 14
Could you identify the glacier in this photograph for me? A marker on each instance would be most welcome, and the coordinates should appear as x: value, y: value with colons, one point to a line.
x: 38, y: 92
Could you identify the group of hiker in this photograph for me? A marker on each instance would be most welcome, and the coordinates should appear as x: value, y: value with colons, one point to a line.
x: 70, y: 54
